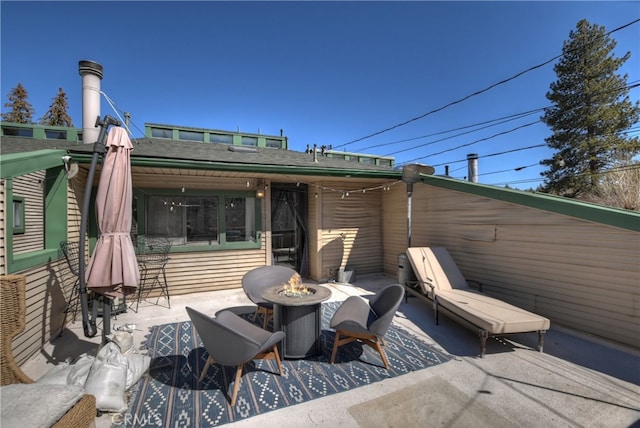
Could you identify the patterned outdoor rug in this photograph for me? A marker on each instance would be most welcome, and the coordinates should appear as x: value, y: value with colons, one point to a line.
x: 170, y: 394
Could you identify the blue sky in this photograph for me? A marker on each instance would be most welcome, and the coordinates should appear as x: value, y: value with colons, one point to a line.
x: 324, y: 72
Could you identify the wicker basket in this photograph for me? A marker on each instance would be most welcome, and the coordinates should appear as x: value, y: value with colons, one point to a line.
x: 13, y: 309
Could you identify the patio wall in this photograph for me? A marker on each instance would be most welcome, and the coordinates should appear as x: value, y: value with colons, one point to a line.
x: 580, y: 274
x: 347, y: 231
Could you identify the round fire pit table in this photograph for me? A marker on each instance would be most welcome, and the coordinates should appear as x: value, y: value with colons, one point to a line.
x: 299, y: 318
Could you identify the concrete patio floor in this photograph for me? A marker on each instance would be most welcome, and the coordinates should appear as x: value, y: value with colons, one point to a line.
x: 578, y: 381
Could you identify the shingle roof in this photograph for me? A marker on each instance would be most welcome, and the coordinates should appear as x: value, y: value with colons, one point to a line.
x: 157, y: 148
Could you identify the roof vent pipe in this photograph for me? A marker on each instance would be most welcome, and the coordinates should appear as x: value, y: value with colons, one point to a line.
x: 91, y: 73
x: 472, y: 161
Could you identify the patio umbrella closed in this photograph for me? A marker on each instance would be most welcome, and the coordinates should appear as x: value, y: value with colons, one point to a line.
x: 113, y: 268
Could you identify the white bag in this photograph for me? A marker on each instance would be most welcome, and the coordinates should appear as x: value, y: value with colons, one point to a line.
x: 138, y: 365
x: 79, y: 371
x: 107, y: 379
x: 124, y: 340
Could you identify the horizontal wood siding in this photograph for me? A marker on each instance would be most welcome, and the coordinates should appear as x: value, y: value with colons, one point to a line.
x: 75, y: 198
x: 315, y: 236
x: 30, y: 188
x: 46, y: 296
x: 352, y: 230
x: 394, y: 217
x: 3, y: 228
x: 579, y: 274
x: 216, y: 270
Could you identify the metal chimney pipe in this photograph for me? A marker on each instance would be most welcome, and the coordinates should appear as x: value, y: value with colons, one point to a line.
x: 91, y: 73
x: 472, y: 161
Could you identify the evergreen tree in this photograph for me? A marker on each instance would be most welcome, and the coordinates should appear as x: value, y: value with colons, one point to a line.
x: 591, y: 112
x: 21, y: 109
x: 57, y: 114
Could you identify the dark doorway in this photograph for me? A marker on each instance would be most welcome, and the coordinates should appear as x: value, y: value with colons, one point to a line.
x: 289, y: 226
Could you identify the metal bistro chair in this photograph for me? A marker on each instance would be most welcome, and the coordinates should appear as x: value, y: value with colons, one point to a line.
x: 153, y: 256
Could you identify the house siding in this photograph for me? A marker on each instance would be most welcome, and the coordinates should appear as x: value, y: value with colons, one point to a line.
x: 580, y: 274
x: 351, y: 230
x: 48, y: 284
x: 29, y: 187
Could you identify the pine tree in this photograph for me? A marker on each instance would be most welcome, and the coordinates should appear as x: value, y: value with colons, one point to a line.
x: 591, y: 112
x: 57, y: 114
x: 21, y: 109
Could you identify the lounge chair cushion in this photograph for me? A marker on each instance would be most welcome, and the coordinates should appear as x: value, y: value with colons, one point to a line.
x: 492, y: 315
x: 36, y: 405
x: 436, y: 269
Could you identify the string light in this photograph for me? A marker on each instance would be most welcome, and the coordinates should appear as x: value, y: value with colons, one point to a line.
x: 346, y: 192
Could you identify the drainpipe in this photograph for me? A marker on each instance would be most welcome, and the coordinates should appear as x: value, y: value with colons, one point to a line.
x: 472, y: 161
x: 91, y: 73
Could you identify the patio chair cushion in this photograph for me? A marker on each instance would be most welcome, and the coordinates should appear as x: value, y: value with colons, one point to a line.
x: 436, y: 269
x: 492, y: 315
x: 36, y: 405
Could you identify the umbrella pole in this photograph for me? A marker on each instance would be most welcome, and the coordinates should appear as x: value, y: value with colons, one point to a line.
x: 88, y: 324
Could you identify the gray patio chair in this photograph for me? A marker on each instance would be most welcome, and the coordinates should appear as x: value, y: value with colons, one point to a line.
x: 233, y: 341
x: 366, y: 321
x: 257, y: 280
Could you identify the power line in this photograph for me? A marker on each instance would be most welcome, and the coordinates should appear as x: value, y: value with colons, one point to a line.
x: 515, y: 116
x: 613, y: 170
x: 476, y: 141
x: 498, y: 121
x: 494, y: 154
x: 517, y: 169
x: 448, y: 138
x: 535, y: 67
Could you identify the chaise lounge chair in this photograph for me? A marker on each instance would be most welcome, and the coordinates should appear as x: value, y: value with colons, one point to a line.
x: 441, y: 282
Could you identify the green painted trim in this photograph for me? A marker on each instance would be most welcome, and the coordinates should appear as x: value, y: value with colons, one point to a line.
x: 8, y: 218
x: 55, y: 230
x: 55, y: 207
x: 261, y: 168
x: 32, y: 259
x: 39, y: 132
x: 16, y: 164
x: 268, y: 169
x: 623, y: 219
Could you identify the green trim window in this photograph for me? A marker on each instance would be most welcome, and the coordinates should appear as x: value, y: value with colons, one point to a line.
x: 201, y: 221
x: 250, y: 141
x: 18, y: 214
